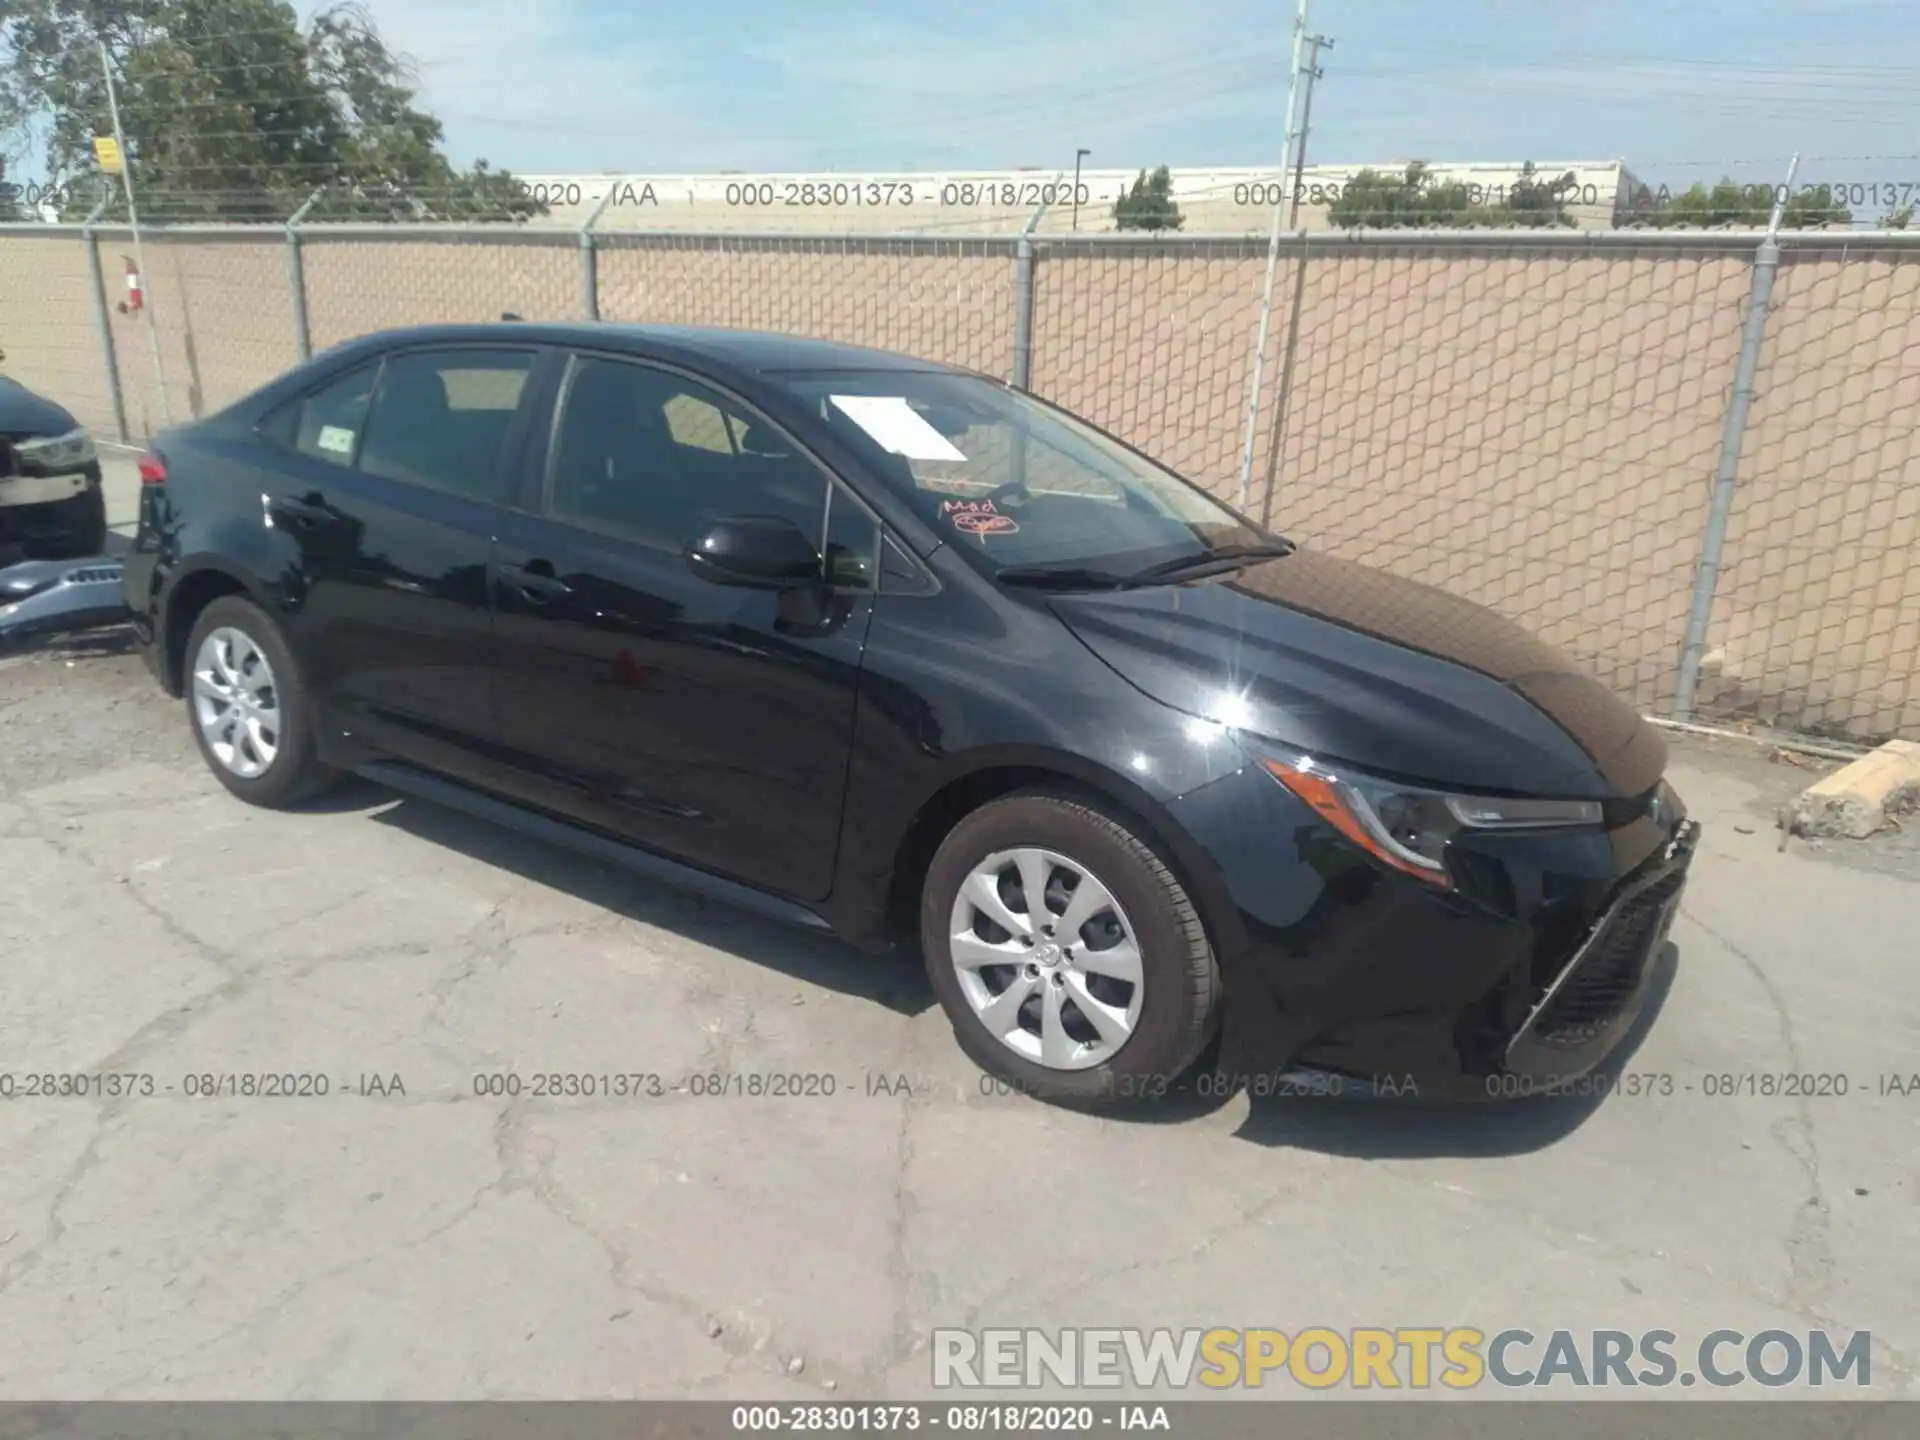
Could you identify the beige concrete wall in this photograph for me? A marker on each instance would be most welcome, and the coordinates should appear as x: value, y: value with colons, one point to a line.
x: 356, y: 286
x: 950, y: 302
x: 1155, y: 343
x: 221, y: 310
x: 1817, y: 620
x: 50, y: 327
x: 1536, y: 429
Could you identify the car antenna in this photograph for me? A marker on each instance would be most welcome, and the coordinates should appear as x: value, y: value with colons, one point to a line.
x: 508, y: 315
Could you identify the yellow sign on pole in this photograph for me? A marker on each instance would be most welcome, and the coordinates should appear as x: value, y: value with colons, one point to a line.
x: 106, y: 150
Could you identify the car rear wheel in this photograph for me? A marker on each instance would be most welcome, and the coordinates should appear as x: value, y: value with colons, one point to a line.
x: 1067, y: 955
x: 248, y: 707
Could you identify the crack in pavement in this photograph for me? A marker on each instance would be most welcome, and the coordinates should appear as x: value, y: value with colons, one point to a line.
x: 901, y: 1343
x: 524, y: 1171
x: 285, y: 1299
x: 1250, y: 1215
x: 1809, y: 1239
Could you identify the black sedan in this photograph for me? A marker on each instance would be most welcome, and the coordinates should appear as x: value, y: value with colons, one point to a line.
x: 894, y: 649
x: 51, y: 503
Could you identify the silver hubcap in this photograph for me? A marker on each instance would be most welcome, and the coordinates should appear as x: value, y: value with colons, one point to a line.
x: 1047, y: 959
x: 235, y: 702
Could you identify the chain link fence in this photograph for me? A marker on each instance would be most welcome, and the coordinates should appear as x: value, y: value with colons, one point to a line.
x: 1534, y: 420
x: 945, y: 300
x: 1532, y: 427
x: 1816, y: 621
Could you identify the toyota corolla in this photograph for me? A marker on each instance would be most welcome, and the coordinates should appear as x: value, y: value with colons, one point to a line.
x: 893, y: 649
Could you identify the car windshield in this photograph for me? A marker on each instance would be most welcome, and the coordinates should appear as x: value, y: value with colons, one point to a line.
x: 1028, y: 491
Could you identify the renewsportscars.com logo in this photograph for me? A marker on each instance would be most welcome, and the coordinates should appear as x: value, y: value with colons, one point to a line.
x: 1365, y: 1358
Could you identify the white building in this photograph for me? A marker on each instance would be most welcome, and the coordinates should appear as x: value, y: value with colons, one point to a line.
x: 970, y: 203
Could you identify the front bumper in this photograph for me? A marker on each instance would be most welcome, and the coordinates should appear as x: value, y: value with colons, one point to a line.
x: 1595, y: 1000
x: 1346, y: 979
x: 37, y: 509
x: 41, y: 598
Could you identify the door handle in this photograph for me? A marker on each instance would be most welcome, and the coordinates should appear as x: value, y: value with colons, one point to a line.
x: 308, y: 511
x: 538, y: 585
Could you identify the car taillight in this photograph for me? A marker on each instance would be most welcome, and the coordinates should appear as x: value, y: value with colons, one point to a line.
x: 153, y: 468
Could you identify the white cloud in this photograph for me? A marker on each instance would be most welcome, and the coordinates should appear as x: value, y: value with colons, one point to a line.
x: 846, y: 84
x: 556, y: 89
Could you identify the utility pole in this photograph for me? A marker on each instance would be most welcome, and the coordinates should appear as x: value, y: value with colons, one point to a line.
x: 1273, y: 255
x: 133, y: 221
x: 1315, y: 44
x: 1078, y: 156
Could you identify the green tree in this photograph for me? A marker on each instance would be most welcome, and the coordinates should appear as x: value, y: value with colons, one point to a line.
x: 1728, y: 205
x: 1897, y: 219
x: 1149, y: 205
x: 1539, y: 202
x: 232, y: 111
x: 1416, y: 198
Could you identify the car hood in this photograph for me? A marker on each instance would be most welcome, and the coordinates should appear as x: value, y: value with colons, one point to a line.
x: 1352, y: 663
x: 24, y: 413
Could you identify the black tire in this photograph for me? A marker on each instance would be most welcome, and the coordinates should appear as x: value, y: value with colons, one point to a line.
x: 1181, y: 978
x: 295, y: 773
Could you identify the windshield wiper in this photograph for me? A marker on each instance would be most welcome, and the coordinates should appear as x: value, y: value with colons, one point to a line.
x: 1066, y: 577
x: 1212, y: 562
x: 1080, y: 577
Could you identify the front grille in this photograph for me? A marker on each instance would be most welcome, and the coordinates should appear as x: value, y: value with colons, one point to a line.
x: 1610, y: 970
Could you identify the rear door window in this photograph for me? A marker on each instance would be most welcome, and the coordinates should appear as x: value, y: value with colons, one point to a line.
x: 441, y: 418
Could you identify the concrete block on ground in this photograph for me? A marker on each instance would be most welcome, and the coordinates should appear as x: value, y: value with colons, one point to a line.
x: 1857, y: 800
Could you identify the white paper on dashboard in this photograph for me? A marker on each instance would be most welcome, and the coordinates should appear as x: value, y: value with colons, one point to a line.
x: 897, y: 426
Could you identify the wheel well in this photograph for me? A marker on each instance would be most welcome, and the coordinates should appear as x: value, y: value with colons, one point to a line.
x: 189, y: 598
x: 961, y: 797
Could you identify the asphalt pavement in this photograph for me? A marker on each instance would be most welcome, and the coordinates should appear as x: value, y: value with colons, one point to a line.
x: 414, y: 1232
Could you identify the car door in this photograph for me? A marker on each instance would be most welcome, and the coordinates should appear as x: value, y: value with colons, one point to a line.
x: 392, y: 482
x: 707, y: 722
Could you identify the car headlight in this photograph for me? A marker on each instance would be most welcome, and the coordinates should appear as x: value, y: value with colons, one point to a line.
x: 1407, y: 827
x: 56, y: 452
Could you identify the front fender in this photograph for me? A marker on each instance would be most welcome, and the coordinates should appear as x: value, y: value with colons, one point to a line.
x: 904, y: 794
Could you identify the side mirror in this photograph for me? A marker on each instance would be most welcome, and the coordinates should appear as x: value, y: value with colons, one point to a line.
x: 761, y: 552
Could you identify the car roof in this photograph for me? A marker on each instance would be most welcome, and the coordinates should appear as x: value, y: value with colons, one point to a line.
x: 762, y: 351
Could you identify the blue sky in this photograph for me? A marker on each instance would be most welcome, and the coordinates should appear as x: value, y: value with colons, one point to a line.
x: 1679, y: 90
x: 1684, y: 90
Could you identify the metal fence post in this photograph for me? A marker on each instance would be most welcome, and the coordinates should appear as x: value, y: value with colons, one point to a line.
x: 590, y: 261
x: 1022, y: 310
x: 1023, y: 260
x: 1766, y: 261
x: 1287, y: 361
x: 104, y: 314
x: 1023, y: 293
x: 297, y: 278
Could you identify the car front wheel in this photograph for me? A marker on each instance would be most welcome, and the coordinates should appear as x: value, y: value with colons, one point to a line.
x: 1069, y: 958
x: 248, y: 708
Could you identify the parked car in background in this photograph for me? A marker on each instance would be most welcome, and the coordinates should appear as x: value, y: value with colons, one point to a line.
x: 897, y: 650
x: 51, y: 503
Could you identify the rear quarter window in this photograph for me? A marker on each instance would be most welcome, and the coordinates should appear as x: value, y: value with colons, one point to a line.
x: 326, y: 424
